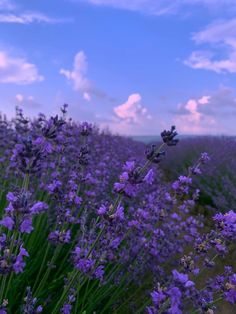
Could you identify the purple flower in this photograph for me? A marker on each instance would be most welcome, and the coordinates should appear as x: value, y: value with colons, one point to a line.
x: 118, y: 187
x: 9, y: 208
x: 85, y: 264
x: 182, y: 278
x: 226, y: 223
x: 99, y: 272
x: 102, y: 210
x: 66, y: 309
x: 7, y: 222
x: 38, y: 207
x: 129, y: 166
x: 204, y: 158
x: 60, y: 236
x: 168, y: 197
x: 176, y: 216
x: 85, y: 128
x: 11, y: 197
x: 26, y: 225
x: 185, y: 180
x: 179, y: 277
x: 115, y: 243
x: 124, y: 177
x: 149, y: 178
x: 230, y: 296
x: 3, y: 238
x: 157, y: 297
x: 230, y: 285
x: 176, y: 185
x: 151, y: 310
x: 195, y: 170
x: 56, y: 184
x: 130, y: 190
x: 19, y: 264
x: 175, y: 300
x: 39, y: 309
x: 119, y: 214
x: 181, y: 186
x: 168, y: 137
x: 189, y: 284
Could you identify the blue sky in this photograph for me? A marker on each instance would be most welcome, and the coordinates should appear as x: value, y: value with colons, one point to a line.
x: 134, y: 66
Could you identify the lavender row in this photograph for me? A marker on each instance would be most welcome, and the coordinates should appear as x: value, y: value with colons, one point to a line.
x: 89, y: 224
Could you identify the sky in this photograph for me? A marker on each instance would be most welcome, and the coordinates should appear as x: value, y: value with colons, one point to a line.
x: 135, y: 67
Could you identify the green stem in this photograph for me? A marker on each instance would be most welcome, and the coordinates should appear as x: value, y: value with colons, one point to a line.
x: 3, y: 283
x: 66, y: 290
x: 46, y: 275
x: 41, y: 267
x: 143, y: 307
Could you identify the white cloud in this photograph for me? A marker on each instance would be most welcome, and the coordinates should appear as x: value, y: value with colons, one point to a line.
x: 78, y: 75
x: 27, y: 18
x: 218, y: 35
x: 161, y: 7
x: 132, y: 110
x: 17, y: 70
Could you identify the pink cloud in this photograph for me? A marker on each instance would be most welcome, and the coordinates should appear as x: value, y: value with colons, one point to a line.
x: 208, y: 114
x: 193, y: 121
x: 131, y: 110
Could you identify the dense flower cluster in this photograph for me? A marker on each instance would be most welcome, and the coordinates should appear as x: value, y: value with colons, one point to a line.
x: 20, y: 211
x: 90, y: 223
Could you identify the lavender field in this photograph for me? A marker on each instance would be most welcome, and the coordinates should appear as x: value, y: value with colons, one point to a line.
x: 118, y: 157
x: 97, y: 223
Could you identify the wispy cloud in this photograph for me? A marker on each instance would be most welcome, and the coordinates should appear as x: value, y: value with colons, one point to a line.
x: 78, y: 75
x: 12, y: 13
x: 161, y: 7
x: 17, y: 70
x: 28, y: 18
x: 221, y: 34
